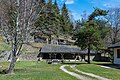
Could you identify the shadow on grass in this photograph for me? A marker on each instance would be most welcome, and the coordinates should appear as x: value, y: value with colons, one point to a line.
x: 4, y: 71
x: 110, y: 66
x: 105, y: 64
x: 20, y: 70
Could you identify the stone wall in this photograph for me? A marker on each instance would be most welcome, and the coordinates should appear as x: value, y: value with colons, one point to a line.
x: 28, y: 56
x: 4, y: 55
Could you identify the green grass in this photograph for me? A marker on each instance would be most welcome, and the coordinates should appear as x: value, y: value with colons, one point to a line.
x: 113, y: 74
x: 70, y: 69
x: 31, y: 70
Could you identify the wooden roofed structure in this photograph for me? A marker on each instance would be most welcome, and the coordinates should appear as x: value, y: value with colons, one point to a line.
x: 63, y: 52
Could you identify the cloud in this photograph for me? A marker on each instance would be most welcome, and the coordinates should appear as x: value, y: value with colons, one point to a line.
x: 69, y: 2
x: 111, y: 5
x: 106, y: 3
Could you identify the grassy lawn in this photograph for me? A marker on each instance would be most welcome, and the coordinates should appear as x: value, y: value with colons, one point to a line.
x: 31, y: 70
x: 70, y: 69
x: 96, y: 68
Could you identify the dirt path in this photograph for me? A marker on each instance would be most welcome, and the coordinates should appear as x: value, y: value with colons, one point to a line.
x: 89, y: 74
x: 74, y: 74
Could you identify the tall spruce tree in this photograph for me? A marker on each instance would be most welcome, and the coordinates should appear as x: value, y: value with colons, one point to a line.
x: 48, y: 23
x: 52, y: 22
x: 65, y: 20
x: 57, y: 18
x: 56, y: 8
x: 40, y: 22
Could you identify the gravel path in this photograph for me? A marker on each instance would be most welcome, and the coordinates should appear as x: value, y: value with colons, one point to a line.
x: 74, y: 74
x: 89, y: 74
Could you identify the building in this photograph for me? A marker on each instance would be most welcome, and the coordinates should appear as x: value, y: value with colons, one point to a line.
x: 116, y: 48
x: 64, y: 52
x: 58, y: 52
x: 60, y: 48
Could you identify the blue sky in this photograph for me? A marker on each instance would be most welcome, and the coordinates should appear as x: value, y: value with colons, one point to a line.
x: 77, y: 7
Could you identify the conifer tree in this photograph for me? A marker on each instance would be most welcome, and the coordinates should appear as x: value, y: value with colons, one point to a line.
x: 52, y: 22
x: 89, y: 36
x: 49, y: 21
x: 65, y: 19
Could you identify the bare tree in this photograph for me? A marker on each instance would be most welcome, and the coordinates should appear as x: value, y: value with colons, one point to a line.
x: 17, y: 17
x: 114, y: 20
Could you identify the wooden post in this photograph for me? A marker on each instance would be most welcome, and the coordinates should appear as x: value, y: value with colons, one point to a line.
x: 50, y: 55
x: 62, y: 56
x: 55, y: 55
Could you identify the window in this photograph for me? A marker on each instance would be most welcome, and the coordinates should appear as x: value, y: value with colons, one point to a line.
x: 118, y: 53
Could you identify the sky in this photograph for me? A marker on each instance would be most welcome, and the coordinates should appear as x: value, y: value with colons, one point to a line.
x: 77, y: 7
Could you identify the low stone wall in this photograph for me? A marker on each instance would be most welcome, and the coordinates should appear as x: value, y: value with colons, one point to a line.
x: 4, y: 55
x: 28, y: 56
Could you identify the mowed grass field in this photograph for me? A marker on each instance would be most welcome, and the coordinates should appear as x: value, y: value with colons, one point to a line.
x: 95, y: 68
x: 31, y: 70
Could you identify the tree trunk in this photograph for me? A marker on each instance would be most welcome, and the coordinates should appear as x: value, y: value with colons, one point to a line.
x: 12, y: 65
x: 88, y: 54
x: 14, y: 58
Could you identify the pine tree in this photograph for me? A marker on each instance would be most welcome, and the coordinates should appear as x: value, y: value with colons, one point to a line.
x: 57, y: 18
x: 65, y: 19
x: 49, y: 21
x: 56, y: 8
x: 52, y: 22
x: 90, y: 36
x: 40, y: 22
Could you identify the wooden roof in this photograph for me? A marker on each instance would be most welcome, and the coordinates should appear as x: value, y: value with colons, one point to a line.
x: 59, y: 49
x: 64, y: 49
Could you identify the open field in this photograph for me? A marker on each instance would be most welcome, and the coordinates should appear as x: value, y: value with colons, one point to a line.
x: 31, y: 70
x: 96, y: 68
x: 70, y: 69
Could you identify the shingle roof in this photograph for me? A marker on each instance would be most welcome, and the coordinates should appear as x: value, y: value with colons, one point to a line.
x: 116, y: 45
x: 59, y: 49
x: 64, y: 49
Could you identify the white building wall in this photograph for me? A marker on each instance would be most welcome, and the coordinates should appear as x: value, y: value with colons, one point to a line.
x: 116, y: 60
